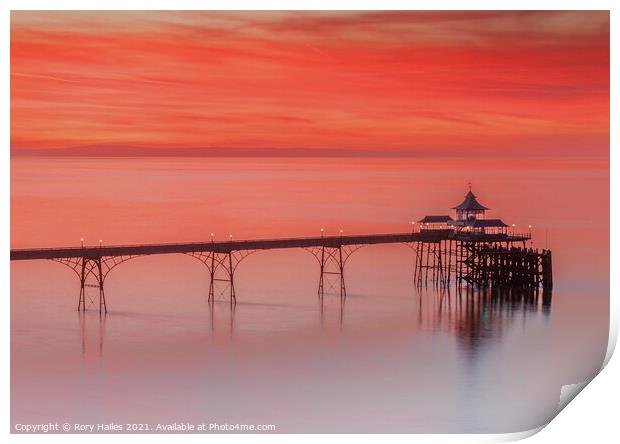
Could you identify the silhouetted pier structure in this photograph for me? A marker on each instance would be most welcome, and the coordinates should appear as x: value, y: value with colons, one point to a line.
x: 470, y: 250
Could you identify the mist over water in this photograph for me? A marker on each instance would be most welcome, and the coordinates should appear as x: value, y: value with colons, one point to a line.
x: 389, y: 358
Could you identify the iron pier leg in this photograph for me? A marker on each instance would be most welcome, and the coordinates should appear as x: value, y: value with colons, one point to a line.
x: 82, y: 300
x: 100, y: 278
x: 415, y: 264
x: 331, y: 262
x: 221, y: 266
x: 422, y: 266
x: 231, y: 274
x: 212, y: 276
x: 427, y: 263
x: 343, y: 289
x: 322, y: 266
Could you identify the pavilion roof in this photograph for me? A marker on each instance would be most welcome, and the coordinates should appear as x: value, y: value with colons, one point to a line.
x: 486, y: 223
x: 470, y: 203
x: 436, y: 220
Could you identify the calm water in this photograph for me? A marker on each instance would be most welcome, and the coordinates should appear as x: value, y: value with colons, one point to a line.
x: 391, y: 359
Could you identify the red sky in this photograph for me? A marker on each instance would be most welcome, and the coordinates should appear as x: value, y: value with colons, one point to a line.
x: 439, y: 83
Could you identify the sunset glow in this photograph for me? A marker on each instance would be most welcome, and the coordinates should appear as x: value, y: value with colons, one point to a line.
x: 421, y: 83
x: 306, y: 222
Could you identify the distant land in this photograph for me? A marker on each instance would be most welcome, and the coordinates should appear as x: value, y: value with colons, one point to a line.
x: 169, y: 151
x: 142, y: 151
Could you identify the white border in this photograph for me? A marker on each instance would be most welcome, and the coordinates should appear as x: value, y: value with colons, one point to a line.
x: 592, y: 417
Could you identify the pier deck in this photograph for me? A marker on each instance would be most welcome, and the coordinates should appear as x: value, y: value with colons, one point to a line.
x: 256, y: 244
x: 440, y: 256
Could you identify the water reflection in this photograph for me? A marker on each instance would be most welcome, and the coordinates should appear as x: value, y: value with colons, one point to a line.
x: 477, y: 317
x: 96, y: 323
x: 224, y: 320
x: 331, y: 305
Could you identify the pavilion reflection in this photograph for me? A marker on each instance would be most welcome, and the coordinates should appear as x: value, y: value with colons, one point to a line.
x: 478, y: 316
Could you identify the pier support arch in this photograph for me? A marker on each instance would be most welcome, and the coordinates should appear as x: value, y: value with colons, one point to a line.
x: 332, y: 260
x: 221, y: 267
x: 92, y: 272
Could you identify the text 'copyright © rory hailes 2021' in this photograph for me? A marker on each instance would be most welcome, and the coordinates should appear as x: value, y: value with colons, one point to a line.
x: 175, y: 427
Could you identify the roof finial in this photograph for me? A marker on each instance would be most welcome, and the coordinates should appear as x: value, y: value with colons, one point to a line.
x: 469, y: 183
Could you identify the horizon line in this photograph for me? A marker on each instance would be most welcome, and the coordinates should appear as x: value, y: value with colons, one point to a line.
x: 124, y: 151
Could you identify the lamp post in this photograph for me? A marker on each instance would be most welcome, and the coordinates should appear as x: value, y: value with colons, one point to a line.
x: 82, y: 242
x: 513, y: 229
x: 100, y: 242
x: 322, y: 231
x: 212, y: 237
x: 412, y: 227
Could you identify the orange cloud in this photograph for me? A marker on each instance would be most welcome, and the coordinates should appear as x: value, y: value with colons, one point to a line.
x: 491, y: 83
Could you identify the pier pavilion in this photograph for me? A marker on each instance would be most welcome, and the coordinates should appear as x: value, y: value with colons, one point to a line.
x: 470, y: 218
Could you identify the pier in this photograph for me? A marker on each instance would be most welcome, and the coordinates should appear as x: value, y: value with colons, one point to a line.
x: 469, y: 250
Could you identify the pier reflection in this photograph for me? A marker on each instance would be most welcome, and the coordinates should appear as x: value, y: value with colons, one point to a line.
x: 478, y: 316
x: 221, y: 318
x: 332, y: 311
x: 92, y: 333
x: 473, y: 316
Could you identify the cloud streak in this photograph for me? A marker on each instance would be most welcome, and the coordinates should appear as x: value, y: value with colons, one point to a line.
x: 359, y: 81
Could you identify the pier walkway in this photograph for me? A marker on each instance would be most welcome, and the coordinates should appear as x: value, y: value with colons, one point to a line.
x: 446, y: 254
